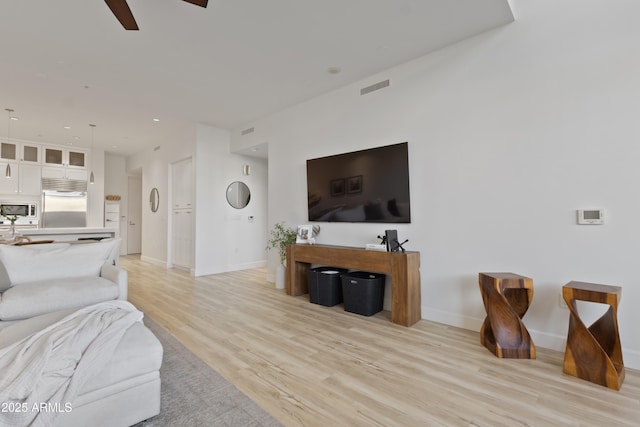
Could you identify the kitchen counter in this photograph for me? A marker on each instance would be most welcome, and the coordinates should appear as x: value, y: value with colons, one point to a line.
x: 67, y: 234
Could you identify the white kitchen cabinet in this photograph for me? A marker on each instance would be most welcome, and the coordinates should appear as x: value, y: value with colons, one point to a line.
x: 182, y: 214
x: 29, y: 179
x: 112, y: 214
x: 24, y: 179
x: 181, y: 185
x: 30, y: 153
x: 9, y: 185
x: 63, y: 157
x: 182, y: 231
x: 23, y: 152
x: 63, y: 173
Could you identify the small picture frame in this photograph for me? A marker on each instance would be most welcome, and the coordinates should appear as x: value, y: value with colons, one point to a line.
x: 354, y: 184
x: 305, y: 234
x: 337, y: 187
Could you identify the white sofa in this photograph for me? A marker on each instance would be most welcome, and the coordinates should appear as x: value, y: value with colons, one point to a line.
x: 41, y: 284
x: 40, y: 279
x: 123, y: 392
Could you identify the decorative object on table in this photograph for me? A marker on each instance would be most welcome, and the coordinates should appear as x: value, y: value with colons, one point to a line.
x: 11, y: 234
x: 506, y: 298
x: 391, y: 240
x: 307, y: 234
x: 281, y: 237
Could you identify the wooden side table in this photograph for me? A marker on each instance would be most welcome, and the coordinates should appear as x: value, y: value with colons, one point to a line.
x: 506, y: 298
x: 594, y: 353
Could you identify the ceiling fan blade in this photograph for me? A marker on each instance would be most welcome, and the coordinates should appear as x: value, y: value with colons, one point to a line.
x: 121, y: 10
x: 201, y: 3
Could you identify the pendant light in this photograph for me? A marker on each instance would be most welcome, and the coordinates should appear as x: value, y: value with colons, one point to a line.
x: 7, y: 171
x: 91, y: 178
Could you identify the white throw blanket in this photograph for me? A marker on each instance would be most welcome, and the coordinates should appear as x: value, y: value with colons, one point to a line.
x: 51, y: 366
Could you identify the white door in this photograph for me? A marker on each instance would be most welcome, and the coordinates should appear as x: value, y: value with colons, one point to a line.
x: 134, y: 216
x: 182, y: 214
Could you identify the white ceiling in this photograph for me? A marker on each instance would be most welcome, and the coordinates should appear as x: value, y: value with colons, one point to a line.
x: 70, y: 63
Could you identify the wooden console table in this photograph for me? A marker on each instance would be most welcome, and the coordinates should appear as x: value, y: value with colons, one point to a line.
x: 403, y: 267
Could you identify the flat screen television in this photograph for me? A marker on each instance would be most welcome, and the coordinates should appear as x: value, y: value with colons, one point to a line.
x: 362, y: 186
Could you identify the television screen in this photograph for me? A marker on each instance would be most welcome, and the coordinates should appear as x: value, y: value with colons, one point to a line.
x: 362, y: 186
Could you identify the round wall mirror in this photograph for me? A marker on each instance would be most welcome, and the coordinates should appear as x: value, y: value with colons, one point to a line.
x: 238, y: 194
x: 154, y: 199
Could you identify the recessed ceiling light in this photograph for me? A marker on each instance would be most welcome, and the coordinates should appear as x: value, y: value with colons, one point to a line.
x: 156, y: 120
x: 66, y: 127
x: 14, y: 118
x: 334, y: 70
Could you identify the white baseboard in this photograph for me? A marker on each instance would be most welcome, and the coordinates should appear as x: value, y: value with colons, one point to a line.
x: 541, y: 339
x: 453, y: 319
x: 153, y: 261
x: 215, y: 269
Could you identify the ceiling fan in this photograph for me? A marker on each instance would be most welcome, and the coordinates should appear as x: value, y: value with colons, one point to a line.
x: 121, y: 10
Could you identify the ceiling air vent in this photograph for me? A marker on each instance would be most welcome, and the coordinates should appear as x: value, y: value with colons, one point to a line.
x: 247, y: 131
x: 374, y: 87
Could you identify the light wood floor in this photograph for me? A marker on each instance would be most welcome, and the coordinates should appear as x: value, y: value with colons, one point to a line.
x: 310, y: 365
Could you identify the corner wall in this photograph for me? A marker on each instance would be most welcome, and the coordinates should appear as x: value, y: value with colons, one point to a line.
x: 224, y: 238
x: 227, y: 239
x: 509, y: 133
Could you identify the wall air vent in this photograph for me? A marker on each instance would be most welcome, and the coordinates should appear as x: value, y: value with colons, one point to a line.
x: 374, y: 87
x: 247, y: 131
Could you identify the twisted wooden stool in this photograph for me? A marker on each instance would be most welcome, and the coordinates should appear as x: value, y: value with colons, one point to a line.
x: 506, y: 299
x: 594, y: 353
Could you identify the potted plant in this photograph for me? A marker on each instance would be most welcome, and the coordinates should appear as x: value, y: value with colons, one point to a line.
x: 281, y: 237
x: 12, y: 218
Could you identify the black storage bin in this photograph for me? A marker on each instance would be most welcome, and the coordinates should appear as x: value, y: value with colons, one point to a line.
x: 325, y: 287
x: 363, y: 292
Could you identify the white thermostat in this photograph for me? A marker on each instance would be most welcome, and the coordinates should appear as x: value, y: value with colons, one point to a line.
x: 590, y: 216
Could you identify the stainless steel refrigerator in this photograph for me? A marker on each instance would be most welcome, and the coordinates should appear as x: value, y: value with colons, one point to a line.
x: 64, y: 205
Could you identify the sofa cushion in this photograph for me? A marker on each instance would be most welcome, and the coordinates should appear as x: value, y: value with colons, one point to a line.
x: 35, y: 298
x: 32, y: 263
x: 138, y: 353
x: 20, y: 329
x: 5, y: 282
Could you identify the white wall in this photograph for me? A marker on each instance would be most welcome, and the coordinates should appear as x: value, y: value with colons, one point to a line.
x: 509, y: 133
x: 225, y: 239
x: 154, y: 164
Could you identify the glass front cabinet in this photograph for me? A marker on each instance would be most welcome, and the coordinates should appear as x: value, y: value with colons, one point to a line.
x: 72, y: 158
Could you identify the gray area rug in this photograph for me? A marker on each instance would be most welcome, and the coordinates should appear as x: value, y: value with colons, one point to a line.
x: 193, y: 394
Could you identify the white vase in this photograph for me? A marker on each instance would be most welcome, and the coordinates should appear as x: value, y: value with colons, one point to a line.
x: 280, y: 272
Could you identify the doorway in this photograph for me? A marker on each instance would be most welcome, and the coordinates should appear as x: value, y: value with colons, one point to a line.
x: 134, y: 215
